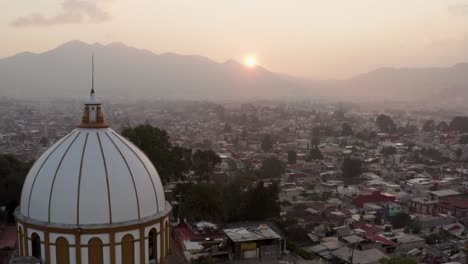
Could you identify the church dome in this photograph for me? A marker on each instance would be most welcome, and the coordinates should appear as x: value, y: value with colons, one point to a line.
x: 92, y: 176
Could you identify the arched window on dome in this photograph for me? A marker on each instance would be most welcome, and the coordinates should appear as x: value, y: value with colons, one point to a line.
x: 21, y: 242
x: 153, y: 244
x: 62, y: 251
x: 128, y: 250
x: 36, y: 246
x: 95, y: 251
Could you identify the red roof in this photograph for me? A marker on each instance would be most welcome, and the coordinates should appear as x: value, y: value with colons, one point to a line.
x: 368, y: 228
x: 381, y: 240
x: 374, y: 197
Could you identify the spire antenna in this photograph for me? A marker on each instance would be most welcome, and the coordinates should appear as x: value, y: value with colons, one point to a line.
x: 92, y: 74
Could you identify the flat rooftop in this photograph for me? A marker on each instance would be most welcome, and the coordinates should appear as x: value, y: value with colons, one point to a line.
x: 260, y: 232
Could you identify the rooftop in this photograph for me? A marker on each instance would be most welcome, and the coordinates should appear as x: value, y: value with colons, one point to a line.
x: 261, y: 232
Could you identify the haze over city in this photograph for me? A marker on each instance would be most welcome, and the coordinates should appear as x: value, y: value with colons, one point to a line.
x: 234, y: 132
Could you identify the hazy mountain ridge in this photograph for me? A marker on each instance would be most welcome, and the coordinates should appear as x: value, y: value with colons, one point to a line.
x: 410, y: 83
x: 129, y: 72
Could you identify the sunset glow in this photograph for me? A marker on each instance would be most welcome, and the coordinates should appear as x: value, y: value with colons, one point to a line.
x: 250, y: 61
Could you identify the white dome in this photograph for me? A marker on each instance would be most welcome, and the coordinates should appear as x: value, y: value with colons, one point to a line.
x: 92, y: 176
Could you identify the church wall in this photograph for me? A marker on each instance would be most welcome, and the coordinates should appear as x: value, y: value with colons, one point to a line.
x: 104, y: 238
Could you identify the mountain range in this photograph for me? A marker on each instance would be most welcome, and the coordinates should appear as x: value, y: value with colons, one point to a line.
x: 126, y: 72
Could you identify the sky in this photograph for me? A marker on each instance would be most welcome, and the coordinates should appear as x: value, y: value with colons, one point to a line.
x: 319, y: 39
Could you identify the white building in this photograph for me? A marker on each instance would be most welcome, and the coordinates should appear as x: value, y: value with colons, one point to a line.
x: 93, y: 198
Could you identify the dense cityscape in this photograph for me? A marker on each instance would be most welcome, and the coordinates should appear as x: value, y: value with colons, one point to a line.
x: 305, y: 182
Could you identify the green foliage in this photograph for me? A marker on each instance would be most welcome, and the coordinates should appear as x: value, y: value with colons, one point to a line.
x: 44, y: 141
x: 262, y: 202
x: 388, y: 150
x: 385, y: 124
x: 237, y: 200
x: 271, y: 168
x: 435, y: 238
x: 351, y: 167
x: 206, y: 260
x: 204, y: 162
x: 267, y: 143
x: 292, y: 230
x: 443, y: 127
x: 203, y: 202
x: 463, y: 139
x: 292, y: 157
x: 346, y: 130
x: 459, y: 124
x: 398, y: 260
x: 293, y: 247
x: 403, y: 220
x: 12, y: 175
x: 314, y: 154
x: 400, y: 220
x: 154, y: 142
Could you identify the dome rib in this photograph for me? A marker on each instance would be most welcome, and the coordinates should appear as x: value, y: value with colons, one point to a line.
x: 107, y: 177
x: 56, y: 172
x: 39, y: 170
x: 129, y: 170
x: 142, y: 163
x: 79, y: 181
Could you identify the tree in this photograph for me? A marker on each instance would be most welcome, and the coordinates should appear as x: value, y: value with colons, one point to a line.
x: 236, y: 195
x: 262, y: 203
x: 459, y: 124
x: 398, y: 260
x: 351, y: 167
x: 204, y: 163
x: 292, y: 157
x: 443, y: 127
x: 267, y: 143
x: 154, y: 142
x: 271, y: 168
x: 346, y: 130
x: 437, y: 237
x: 388, y: 150
x: 400, y: 220
x: 315, y: 154
x: 12, y: 175
x: 44, y: 141
x: 206, y: 260
x: 385, y: 124
x: 428, y: 126
x: 203, y: 202
x: 463, y: 139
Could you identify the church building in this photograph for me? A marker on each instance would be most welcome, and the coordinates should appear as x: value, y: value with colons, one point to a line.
x: 93, y: 198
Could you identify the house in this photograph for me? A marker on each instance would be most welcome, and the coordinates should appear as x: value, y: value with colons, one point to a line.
x: 348, y: 255
x: 374, y: 197
x: 454, y: 207
x: 423, y: 206
x: 254, y: 241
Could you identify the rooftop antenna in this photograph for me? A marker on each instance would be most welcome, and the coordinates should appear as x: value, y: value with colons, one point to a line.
x: 92, y: 74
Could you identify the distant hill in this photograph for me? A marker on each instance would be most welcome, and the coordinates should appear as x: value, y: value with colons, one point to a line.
x: 408, y: 84
x: 127, y: 72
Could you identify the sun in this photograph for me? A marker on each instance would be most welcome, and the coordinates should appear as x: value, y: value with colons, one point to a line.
x: 250, y: 61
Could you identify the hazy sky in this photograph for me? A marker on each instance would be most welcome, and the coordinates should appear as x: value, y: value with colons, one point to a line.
x: 312, y: 38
